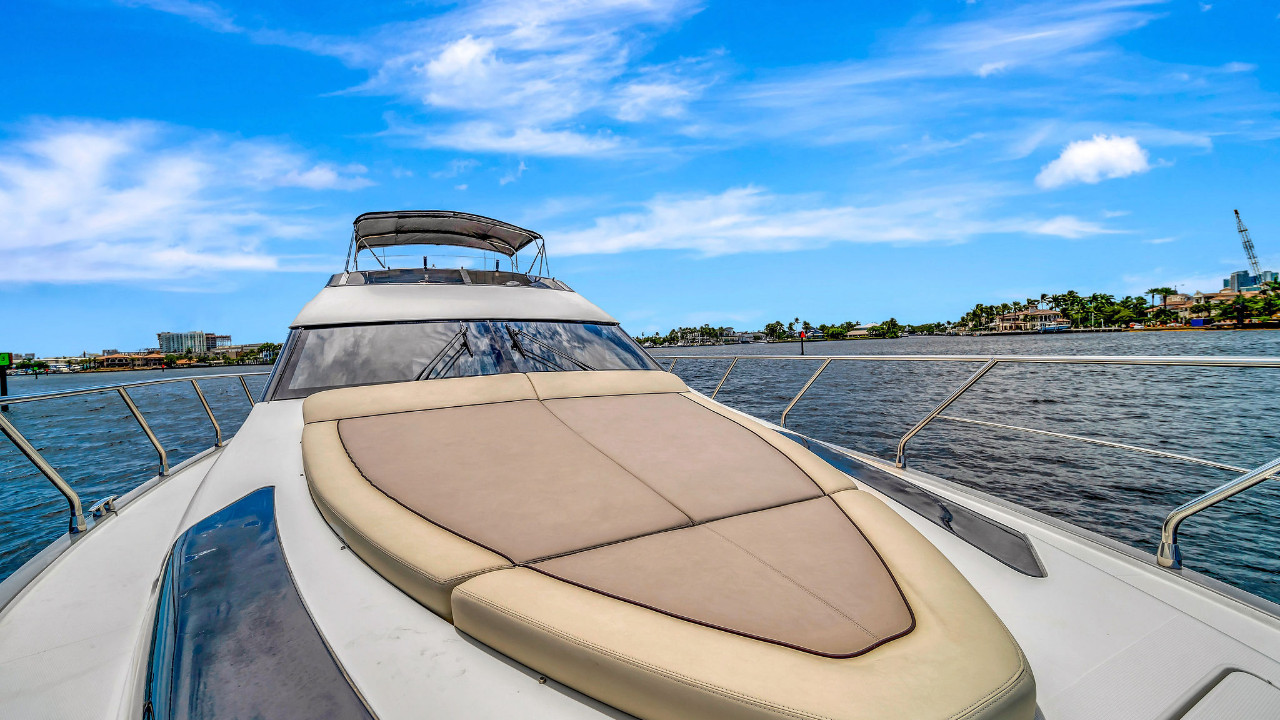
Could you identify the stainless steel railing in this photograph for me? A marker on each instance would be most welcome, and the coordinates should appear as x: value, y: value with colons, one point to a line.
x: 77, y: 522
x: 1168, y: 555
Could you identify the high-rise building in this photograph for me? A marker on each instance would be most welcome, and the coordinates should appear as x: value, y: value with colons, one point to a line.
x: 1242, y: 280
x: 195, y: 341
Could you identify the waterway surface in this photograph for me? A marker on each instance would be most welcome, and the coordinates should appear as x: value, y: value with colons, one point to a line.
x: 1230, y: 415
x: 1225, y: 414
x: 96, y: 445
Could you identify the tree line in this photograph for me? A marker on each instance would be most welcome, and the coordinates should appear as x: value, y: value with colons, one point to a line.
x: 1103, y: 310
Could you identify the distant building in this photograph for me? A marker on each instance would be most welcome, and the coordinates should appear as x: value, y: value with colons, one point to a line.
x: 1032, y: 319
x: 195, y: 341
x: 1242, y: 281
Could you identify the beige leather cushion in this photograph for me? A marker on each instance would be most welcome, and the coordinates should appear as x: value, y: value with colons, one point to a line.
x: 828, y: 478
x: 423, y: 560
x: 588, y: 383
x: 958, y: 663
x: 800, y: 575
x: 703, y: 463
x: 408, y: 396
x: 508, y: 476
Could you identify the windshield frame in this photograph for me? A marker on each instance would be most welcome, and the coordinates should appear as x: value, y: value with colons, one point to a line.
x: 278, y: 387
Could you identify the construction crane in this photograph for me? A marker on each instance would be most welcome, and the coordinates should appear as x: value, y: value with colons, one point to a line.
x: 1248, y: 246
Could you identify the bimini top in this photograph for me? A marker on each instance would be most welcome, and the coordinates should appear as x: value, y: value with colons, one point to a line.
x: 440, y: 227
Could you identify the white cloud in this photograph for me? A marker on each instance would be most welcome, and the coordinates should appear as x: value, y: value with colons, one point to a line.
x: 524, y: 73
x: 209, y: 15
x: 513, y: 175
x: 492, y: 137
x: 91, y: 201
x: 1071, y: 227
x: 751, y: 219
x: 992, y: 68
x: 1090, y: 161
x: 1160, y: 241
x: 518, y: 74
x: 457, y: 167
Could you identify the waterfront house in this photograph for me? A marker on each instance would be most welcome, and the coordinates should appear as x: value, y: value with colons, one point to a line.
x: 116, y: 361
x: 1028, y: 320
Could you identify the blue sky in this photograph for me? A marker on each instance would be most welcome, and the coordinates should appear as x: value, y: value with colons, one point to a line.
x: 178, y: 164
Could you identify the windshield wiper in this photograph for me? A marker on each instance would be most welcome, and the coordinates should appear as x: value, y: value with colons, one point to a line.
x: 526, y: 352
x: 448, y: 355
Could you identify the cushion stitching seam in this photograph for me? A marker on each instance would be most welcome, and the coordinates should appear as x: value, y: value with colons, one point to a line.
x: 683, y: 679
x: 793, y: 581
x: 619, y: 465
x: 411, y: 566
x: 757, y: 433
x: 390, y: 553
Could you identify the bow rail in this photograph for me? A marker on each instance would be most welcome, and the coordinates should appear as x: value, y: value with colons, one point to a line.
x: 77, y: 522
x: 1168, y: 554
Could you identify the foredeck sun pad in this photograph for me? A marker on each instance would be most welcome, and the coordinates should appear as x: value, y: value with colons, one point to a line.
x: 514, y: 504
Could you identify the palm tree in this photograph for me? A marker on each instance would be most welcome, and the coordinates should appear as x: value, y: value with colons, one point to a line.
x: 1237, y: 309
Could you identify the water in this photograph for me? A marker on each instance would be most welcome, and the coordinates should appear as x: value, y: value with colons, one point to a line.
x: 96, y: 445
x: 1223, y: 414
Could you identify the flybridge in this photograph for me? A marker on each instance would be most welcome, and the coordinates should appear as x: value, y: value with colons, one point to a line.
x: 381, y: 230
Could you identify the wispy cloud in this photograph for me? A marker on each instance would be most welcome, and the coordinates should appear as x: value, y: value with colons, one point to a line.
x: 91, y: 201
x: 1071, y: 227
x: 752, y: 219
x: 514, y: 174
x: 493, y: 137
x: 457, y: 167
x: 533, y: 77
x: 208, y: 14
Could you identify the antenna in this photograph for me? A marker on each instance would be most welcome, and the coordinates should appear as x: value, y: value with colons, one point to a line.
x: 1248, y: 246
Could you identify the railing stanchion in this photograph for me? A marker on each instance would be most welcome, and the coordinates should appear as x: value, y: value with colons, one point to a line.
x: 1168, y: 555
x: 77, y: 523
x: 217, y: 431
x: 142, y: 422
x: 901, y: 460
x: 247, y: 394
x: 726, y: 377
x: 803, y: 390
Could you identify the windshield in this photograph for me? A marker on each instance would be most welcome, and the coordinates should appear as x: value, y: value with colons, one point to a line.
x: 325, y: 358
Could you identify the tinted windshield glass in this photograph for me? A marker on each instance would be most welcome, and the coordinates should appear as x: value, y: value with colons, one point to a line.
x: 325, y: 358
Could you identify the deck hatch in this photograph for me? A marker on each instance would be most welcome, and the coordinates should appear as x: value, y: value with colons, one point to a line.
x: 232, y: 637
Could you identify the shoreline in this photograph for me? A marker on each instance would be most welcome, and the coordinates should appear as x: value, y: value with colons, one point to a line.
x: 1007, y: 333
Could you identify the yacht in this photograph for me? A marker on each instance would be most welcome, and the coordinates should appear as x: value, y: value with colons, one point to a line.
x: 468, y: 493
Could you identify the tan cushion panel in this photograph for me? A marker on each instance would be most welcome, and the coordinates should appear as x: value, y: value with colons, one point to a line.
x: 705, y: 464
x: 584, y: 383
x: 800, y: 575
x: 958, y: 663
x: 509, y: 476
x: 408, y: 396
x: 421, y: 559
x: 828, y: 478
